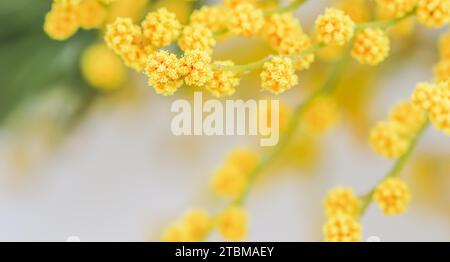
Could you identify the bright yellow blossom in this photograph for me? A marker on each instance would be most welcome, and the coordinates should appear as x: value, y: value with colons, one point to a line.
x: 294, y: 45
x: 342, y: 228
x: 196, y: 37
x: 278, y: 75
x: 396, y: 8
x: 223, y: 82
x: 442, y: 71
x: 198, y: 223
x: 245, y: 20
x: 196, y: 67
x: 162, y: 71
x: 334, y: 27
x: 342, y: 200
x: 120, y: 34
x: 161, y: 27
x: 177, y: 232
x: 102, y: 68
x: 392, y: 196
x: 232, y: 223
x: 229, y: 181
x: 386, y: 139
x: 433, y: 13
x: 371, y: 46
x: 63, y: 19
x: 279, y: 27
x: 444, y: 46
x: 426, y: 96
x: 212, y: 17
x: 92, y: 14
x: 408, y: 116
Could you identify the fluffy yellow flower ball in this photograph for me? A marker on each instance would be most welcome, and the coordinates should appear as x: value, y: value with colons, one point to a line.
x: 212, y: 17
x: 92, y: 14
x: 120, y: 34
x: 102, y: 68
x: 245, y: 20
x: 433, y: 13
x: 342, y: 200
x: 196, y: 67
x: 244, y: 159
x: 371, y: 46
x: 440, y: 117
x: 62, y: 20
x: 196, y: 37
x: 294, y: 45
x: 162, y: 71
x: 161, y: 27
x: 392, y: 196
x: 342, y: 228
x: 426, y: 96
x: 278, y: 75
x: 396, y: 8
x: 444, y: 46
x: 408, y: 116
x: 386, y: 140
x: 435, y: 99
x: 279, y: 27
x: 229, y: 181
x: 321, y: 115
x: 442, y: 71
x: 223, y: 83
x: 334, y: 27
x: 232, y: 223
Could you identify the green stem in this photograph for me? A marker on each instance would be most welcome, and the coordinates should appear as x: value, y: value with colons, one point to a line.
x: 386, y: 23
x: 294, y: 5
x: 328, y: 87
x: 396, y: 169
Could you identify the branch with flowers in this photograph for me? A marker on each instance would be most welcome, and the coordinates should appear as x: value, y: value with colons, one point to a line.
x: 145, y: 48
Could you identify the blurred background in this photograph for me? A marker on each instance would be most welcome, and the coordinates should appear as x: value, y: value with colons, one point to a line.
x: 99, y: 161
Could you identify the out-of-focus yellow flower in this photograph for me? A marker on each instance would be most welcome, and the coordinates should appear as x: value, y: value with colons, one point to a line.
x: 342, y: 228
x: 358, y: 10
x: 198, y: 223
x: 234, y: 3
x: 371, y: 46
x: 408, y: 116
x: 63, y: 19
x: 161, y: 27
x: 321, y: 115
x: 229, y: 181
x: 433, y: 13
x: 92, y: 14
x: 294, y: 45
x: 279, y: 27
x: 442, y: 71
x: 392, y: 196
x: 334, y: 27
x: 278, y: 75
x: 245, y: 20
x: 196, y: 67
x: 223, y: 83
x: 444, y: 46
x: 232, y: 223
x: 244, y: 159
x: 396, y: 8
x: 162, y: 71
x: 196, y: 37
x: 125, y: 8
x: 212, y: 17
x: 386, y: 139
x: 178, y: 232
x: 102, y: 68
x: 342, y: 200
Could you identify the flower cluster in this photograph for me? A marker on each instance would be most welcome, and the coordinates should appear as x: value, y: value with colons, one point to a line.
x: 396, y: 8
x: 192, y: 227
x: 342, y: 228
x: 392, y: 138
x: 278, y: 75
x: 435, y: 100
x: 342, y: 200
x: 67, y: 16
x: 392, y: 196
x: 433, y: 13
x: 334, y: 27
x: 371, y: 46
